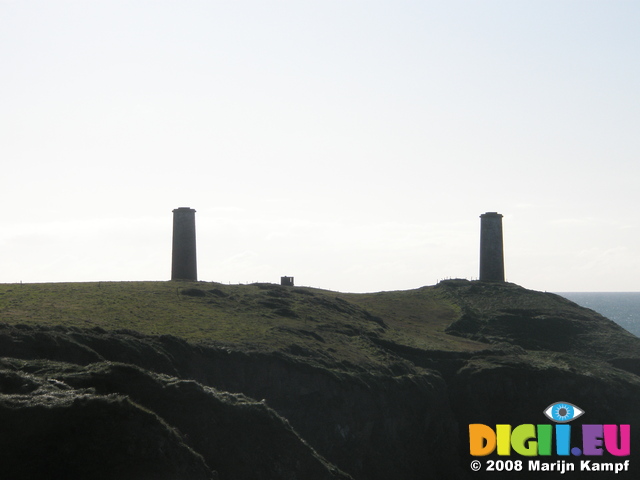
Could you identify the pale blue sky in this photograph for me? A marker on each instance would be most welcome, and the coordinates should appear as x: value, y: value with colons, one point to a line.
x: 350, y: 144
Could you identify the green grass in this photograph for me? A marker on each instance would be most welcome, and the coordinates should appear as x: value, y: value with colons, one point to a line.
x: 154, y: 308
x: 417, y: 318
x: 323, y: 326
x: 495, y: 298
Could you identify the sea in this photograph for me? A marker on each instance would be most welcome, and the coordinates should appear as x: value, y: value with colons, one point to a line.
x: 621, y: 307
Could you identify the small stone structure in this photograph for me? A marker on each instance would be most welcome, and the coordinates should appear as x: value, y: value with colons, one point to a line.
x: 183, y: 260
x: 491, y: 248
x: 286, y: 281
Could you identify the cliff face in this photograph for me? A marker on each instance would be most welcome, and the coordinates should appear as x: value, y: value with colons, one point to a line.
x: 343, y: 386
x: 113, y: 420
x: 50, y: 430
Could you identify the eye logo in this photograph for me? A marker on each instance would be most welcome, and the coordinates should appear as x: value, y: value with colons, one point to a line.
x: 562, y: 412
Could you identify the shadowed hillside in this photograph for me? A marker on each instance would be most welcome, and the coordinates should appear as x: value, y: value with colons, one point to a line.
x: 265, y: 381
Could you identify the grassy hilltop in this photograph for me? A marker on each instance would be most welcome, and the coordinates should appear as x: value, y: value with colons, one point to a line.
x: 254, y: 317
x: 311, y: 322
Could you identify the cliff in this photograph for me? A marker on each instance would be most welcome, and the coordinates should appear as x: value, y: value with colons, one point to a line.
x: 169, y: 380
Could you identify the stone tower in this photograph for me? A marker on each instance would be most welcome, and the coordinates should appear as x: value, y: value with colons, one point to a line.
x: 491, y: 248
x: 183, y: 259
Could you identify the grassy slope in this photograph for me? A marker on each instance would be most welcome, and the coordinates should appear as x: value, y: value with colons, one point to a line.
x: 319, y: 325
x: 310, y: 322
x: 538, y: 321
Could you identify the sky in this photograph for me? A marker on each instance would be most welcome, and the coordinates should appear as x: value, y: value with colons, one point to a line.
x: 350, y: 144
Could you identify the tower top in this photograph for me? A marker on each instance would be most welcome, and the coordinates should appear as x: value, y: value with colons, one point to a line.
x: 491, y: 214
x: 183, y: 209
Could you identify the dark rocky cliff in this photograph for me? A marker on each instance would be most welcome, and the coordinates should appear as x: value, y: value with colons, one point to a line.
x: 92, y: 403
